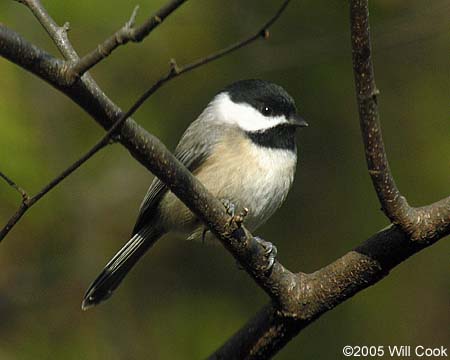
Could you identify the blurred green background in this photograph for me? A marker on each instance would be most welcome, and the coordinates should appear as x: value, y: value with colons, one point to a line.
x: 184, y: 299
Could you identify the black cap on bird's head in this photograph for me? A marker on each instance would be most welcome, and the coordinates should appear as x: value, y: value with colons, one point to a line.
x: 268, y: 98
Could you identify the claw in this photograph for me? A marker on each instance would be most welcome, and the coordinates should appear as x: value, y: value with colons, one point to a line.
x: 229, y: 207
x: 270, y: 252
x: 239, y: 219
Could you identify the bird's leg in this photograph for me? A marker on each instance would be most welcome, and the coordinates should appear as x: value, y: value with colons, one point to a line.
x: 270, y: 252
x: 231, y: 210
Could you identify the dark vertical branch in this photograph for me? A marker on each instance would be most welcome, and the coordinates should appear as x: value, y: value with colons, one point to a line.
x: 394, y: 205
x: 421, y: 223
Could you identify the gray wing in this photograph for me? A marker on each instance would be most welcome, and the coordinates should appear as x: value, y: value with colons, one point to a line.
x: 191, y: 151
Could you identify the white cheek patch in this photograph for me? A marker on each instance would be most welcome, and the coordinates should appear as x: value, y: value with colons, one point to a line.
x: 244, y: 115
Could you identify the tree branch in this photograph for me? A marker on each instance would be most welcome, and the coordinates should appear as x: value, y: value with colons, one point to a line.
x: 269, y: 330
x: 16, y: 187
x: 122, y: 36
x: 103, y: 50
x: 28, y: 202
x: 56, y: 33
x: 415, y: 221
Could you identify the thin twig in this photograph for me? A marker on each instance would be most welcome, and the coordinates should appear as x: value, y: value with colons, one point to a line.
x: 57, y: 34
x: 28, y: 202
x: 121, y: 37
x: 127, y: 33
x: 174, y: 71
x: 263, y: 32
x: 16, y: 187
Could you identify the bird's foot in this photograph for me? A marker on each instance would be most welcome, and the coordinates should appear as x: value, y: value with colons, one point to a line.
x: 239, y: 218
x: 270, y: 253
x: 231, y: 210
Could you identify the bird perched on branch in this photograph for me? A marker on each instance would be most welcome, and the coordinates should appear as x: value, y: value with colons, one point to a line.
x: 242, y: 149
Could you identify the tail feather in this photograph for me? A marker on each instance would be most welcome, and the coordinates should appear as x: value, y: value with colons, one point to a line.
x: 119, y: 266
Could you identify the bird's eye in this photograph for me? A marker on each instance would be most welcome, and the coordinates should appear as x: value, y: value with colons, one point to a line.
x: 266, y: 111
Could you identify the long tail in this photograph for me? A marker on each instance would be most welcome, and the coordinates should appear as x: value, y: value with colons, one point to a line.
x: 119, y: 266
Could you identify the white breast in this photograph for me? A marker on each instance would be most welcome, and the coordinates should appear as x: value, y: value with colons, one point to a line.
x: 267, y: 189
x: 250, y: 176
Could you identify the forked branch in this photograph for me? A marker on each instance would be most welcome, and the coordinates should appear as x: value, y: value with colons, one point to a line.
x: 125, y: 34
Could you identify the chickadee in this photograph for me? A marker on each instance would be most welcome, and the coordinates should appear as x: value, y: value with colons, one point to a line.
x: 241, y: 148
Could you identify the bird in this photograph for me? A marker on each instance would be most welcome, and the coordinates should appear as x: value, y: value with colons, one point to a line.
x: 242, y: 148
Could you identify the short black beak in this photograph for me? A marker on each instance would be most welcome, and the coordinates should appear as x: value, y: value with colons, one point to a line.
x: 297, y: 120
